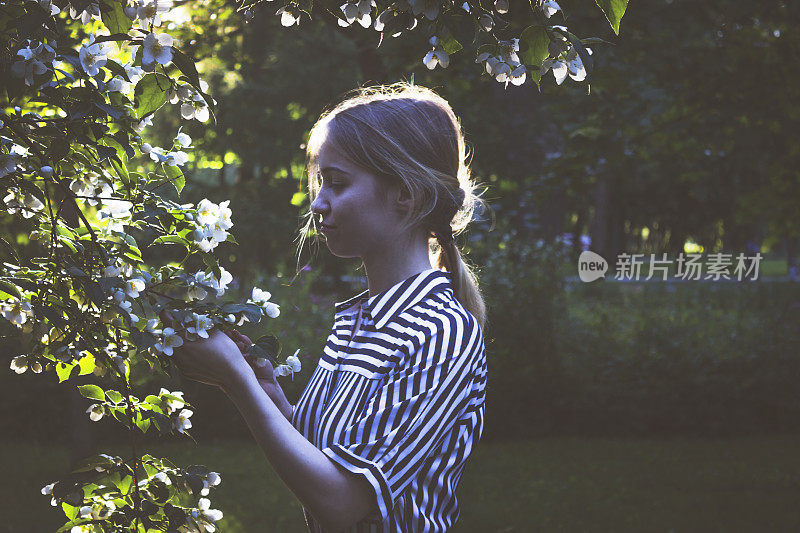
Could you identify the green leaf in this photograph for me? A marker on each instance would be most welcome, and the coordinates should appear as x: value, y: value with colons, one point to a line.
x: 10, y: 288
x: 613, y: 10
x: 169, y: 239
x: 63, y: 371
x: 186, y: 65
x: 93, y: 392
x: 175, y: 174
x: 448, y: 42
x: 534, y: 44
x: 150, y: 93
x: 114, y: 396
x: 270, y: 344
x: 86, y: 364
x: 69, y: 510
x: 114, y: 17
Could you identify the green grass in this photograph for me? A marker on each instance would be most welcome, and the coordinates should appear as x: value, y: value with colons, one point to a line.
x: 553, y: 484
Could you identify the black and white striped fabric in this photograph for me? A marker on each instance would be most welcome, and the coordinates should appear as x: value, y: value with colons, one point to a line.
x: 402, y: 403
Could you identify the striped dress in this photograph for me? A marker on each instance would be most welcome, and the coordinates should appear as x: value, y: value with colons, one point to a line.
x: 401, y: 403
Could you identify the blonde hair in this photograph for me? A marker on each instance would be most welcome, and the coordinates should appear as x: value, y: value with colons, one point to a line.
x: 407, y: 133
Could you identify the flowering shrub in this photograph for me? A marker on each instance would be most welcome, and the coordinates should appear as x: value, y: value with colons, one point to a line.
x: 508, y: 54
x: 82, y: 84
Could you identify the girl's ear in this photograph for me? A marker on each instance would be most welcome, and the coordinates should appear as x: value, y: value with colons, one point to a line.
x: 402, y: 197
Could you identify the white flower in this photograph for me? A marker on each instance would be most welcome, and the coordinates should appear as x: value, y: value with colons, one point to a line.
x: 259, y: 297
x: 35, y: 61
x: 142, y: 124
x: 549, y: 7
x: 130, y: 12
x: 48, y: 489
x: 8, y: 163
x: 133, y: 286
x: 150, y: 326
x: 19, y: 364
x: 85, y: 511
x: 195, y: 291
x: 230, y: 319
x: 211, y: 514
x: 183, y: 139
x: 171, y: 340
x: 436, y: 57
x: 91, y: 11
x: 22, y: 201
x: 95, y: 412
x: 119, y: 85
x: 213, y: 479
x: 157, y: 49
x: 149, y: 12
x: 200, y: 324
x: 357, y: 12
x: 182, y: 422
x: 163, y: 478
x: 221, y: 284
x: 93, y: 55
x: 294, y: 362
x: 272, y: 310
x: 282, y: 370
x: 16, y: 311
x: 173, y: 405
x: 207, y: 212
x: 501, y: 6
x: 48, y: 6
x: 559, y: 69
x: 134, y: 73
x: 288, y: 16
x: 518, y: 75
x: 177, y: 158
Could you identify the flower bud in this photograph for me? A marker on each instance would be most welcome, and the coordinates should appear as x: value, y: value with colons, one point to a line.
x: 501, y: 6
x: 46, y: 171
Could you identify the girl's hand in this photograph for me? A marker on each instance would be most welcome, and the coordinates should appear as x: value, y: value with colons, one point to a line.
x: 263, y: 373
x: 215, y: 361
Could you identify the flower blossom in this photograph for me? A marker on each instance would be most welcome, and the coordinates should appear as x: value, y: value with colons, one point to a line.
x: 35, y: 61
x: 200, y: 325
x: 19, y: 364
x: 93, y: 55
x: 157, y: 49
x: 436, y: 56
x: 16, y: 311
x: 91, y: 11
x: 550, y: 7
x: 170, y: 340
x: 95, y: 412
x: 358, y: 11
x: 150, y: 12
x: 181, y: 422
x: 261, y: 298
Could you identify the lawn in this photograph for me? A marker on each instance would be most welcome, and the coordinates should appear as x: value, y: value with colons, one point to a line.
x: 552, y: 484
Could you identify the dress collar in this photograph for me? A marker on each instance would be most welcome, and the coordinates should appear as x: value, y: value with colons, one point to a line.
x: 384, y: 306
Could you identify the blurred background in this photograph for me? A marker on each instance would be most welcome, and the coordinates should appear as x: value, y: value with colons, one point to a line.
x: 616, y: 405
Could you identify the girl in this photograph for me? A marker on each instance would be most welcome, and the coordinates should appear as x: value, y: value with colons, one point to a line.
x: 380, y: 436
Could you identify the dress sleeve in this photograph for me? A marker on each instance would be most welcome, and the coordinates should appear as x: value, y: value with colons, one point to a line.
x: 409, y: 416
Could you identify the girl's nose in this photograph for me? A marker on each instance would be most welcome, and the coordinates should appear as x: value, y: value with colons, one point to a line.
x: 319, y: 205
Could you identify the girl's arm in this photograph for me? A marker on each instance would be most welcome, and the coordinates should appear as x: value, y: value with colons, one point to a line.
x: 335, y: 497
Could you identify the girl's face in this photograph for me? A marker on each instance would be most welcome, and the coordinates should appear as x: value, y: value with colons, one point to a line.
x: 351, y: 201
